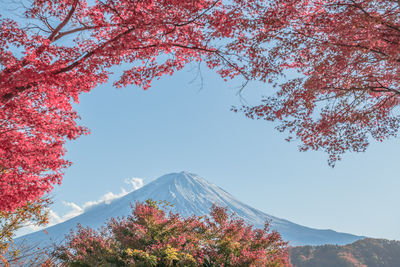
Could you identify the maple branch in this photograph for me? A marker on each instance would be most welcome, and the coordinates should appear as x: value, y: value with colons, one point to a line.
x: 45, y: 22
x: 219, y: 54
x: 198, y: 16
x: 113, y: 9
x: 383, y: 22
x: 380, y: 105
x: 57, y: 34
x: 6, y: 229
x: 10, y: 130
x: 376, y: 89
x: 62, y: 34
x: 334, y: 96
x: 89, y: 54
x: 40, y: 50
x: 64, y: 22
x: 233, y: 66
x: 374, y: 50
x: 10, y: 95
x: 192, y: 47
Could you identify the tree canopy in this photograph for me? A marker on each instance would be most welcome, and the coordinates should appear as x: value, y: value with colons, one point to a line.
x: 65, y: 48
x: 348, y: 58
x: 150, y: 237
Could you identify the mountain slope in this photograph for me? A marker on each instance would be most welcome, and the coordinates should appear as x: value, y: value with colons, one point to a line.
x: 367, y: 252
x: 190, y: 195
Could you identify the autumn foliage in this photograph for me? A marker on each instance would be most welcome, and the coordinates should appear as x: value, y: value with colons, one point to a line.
x: 32, y: 213
x: 151, y: 238
x: 346, y: 53
x: 64, y: 48
x: 348, y: 86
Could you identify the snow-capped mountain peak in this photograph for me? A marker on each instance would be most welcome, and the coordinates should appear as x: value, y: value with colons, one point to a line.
x: 190, y: 194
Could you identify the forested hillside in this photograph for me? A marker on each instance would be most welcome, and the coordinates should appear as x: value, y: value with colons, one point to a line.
x: 366, y: 252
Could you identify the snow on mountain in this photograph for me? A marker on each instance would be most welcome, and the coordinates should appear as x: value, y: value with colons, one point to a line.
x: 190, y: 195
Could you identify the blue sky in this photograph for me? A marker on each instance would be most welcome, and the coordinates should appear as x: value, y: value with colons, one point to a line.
x: 180, y: 124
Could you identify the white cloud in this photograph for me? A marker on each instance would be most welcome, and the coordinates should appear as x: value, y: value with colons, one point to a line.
x: 135, y: 182
x: 106, y: 198
x: 76, y: 210
x: 54, y: 218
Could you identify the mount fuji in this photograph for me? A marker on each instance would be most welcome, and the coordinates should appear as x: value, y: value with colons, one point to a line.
x: 190, y: 195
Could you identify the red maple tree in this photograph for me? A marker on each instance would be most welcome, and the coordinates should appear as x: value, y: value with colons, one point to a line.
x: 347, y: 53
x: 69, y: 47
